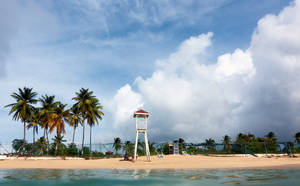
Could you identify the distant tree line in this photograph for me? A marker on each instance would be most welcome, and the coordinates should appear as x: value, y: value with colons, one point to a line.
x: 243, y: 144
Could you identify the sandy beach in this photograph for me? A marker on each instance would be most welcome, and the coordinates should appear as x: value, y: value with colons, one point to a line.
x: 167, y: 162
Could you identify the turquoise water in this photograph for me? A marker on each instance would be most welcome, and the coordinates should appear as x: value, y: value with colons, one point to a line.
x: 147, y: 177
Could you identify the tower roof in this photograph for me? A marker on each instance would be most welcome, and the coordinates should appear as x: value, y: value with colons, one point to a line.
x: 141, y: 113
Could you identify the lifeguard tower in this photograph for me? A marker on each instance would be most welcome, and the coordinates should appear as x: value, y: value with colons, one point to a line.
x: 141, y: 117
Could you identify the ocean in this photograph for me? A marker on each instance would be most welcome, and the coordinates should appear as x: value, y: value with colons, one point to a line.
x: 148, y: 177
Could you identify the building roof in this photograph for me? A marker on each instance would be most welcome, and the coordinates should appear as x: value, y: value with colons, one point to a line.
x: 141, y: 113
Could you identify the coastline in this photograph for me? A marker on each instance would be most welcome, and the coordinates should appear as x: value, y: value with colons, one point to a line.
x: 168, y: 162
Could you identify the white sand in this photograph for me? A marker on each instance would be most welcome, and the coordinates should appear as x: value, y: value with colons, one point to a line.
x: 167, y: 162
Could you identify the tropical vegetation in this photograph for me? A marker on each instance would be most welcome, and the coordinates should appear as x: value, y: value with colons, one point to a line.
x: 52, y: 116
x: 46, y: 116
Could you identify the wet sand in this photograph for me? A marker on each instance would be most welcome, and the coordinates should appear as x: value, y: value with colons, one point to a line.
x: 167, y: 162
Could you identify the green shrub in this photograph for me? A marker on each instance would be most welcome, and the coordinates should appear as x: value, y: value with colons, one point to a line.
x: 17, y: 145
x: 96, y: 154
x: 86, y: 151
x: 192, y: 150
x: 72, y: 150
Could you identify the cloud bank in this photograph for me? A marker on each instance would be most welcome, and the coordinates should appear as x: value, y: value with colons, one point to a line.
x: 254, y: 90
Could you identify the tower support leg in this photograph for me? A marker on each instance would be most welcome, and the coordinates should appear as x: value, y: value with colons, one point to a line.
x: 147, y: 146
x: 135, y: 146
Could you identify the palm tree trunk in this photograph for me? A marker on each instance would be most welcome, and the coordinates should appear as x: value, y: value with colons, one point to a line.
x: 90, y: 140
x: 57, y: 141
x: 41, y: 150
x: 47, y: 142
x: 73, y: 134
x: 33, y: 140
x: 47, y: 136
x: 44, y: 133
x: 24, y: 137
x: 83, y: 129
x: 56, y: 148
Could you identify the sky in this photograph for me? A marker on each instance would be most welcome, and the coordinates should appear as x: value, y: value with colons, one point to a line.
x: 202, y: 69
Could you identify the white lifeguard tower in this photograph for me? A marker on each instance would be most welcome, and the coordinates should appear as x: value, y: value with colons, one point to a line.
x: 141, y: 117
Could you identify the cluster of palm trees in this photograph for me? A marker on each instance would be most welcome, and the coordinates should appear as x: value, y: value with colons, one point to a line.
x: 268, y: 143
x: 51, y: 115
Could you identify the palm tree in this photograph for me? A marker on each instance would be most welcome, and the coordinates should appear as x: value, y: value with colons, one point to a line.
x: 152, y: 148
x: 141, y: 148
x: 226, y: 141
x: 83, y: 98
x: 89, y: 108
x: 181, y: 145
x: 117, y: 144
x: 210, y: 144
x: 250, y: 137
x: 57, y: 141
x: 92, y: 118
x: 240, y: 137
x: 57, y: 121
x: 48, y: 106
x: 74, y: 120
x: 23, y: 108
x: 271, y: 137
x: 128, y: 147
x: 244, y: 138
x: 297, y: 137
x: 34, y: 123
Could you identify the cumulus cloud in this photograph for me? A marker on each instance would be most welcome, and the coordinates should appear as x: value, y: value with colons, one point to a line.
x: 238, y: 63
x: 256, y: 90
x: 127, y: 102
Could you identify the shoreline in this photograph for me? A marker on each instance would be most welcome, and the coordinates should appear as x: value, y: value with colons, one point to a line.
x: 168, y: 162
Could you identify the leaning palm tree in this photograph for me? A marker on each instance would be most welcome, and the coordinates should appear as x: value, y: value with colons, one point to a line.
x: 74, y: 120
x: 117, y: 144
x: 94, y: 115
x: 89, y: 109
x: 23, y: 108
x: 58, y: 119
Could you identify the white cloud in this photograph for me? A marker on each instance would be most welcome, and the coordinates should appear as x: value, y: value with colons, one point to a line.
x: 126, y: 102
x: 256, y: 90
x: 188, y: 53
x: 183, y: 96
x: 238, y: 63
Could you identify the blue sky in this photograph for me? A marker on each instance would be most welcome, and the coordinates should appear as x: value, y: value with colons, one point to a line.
x: 116, y: 48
